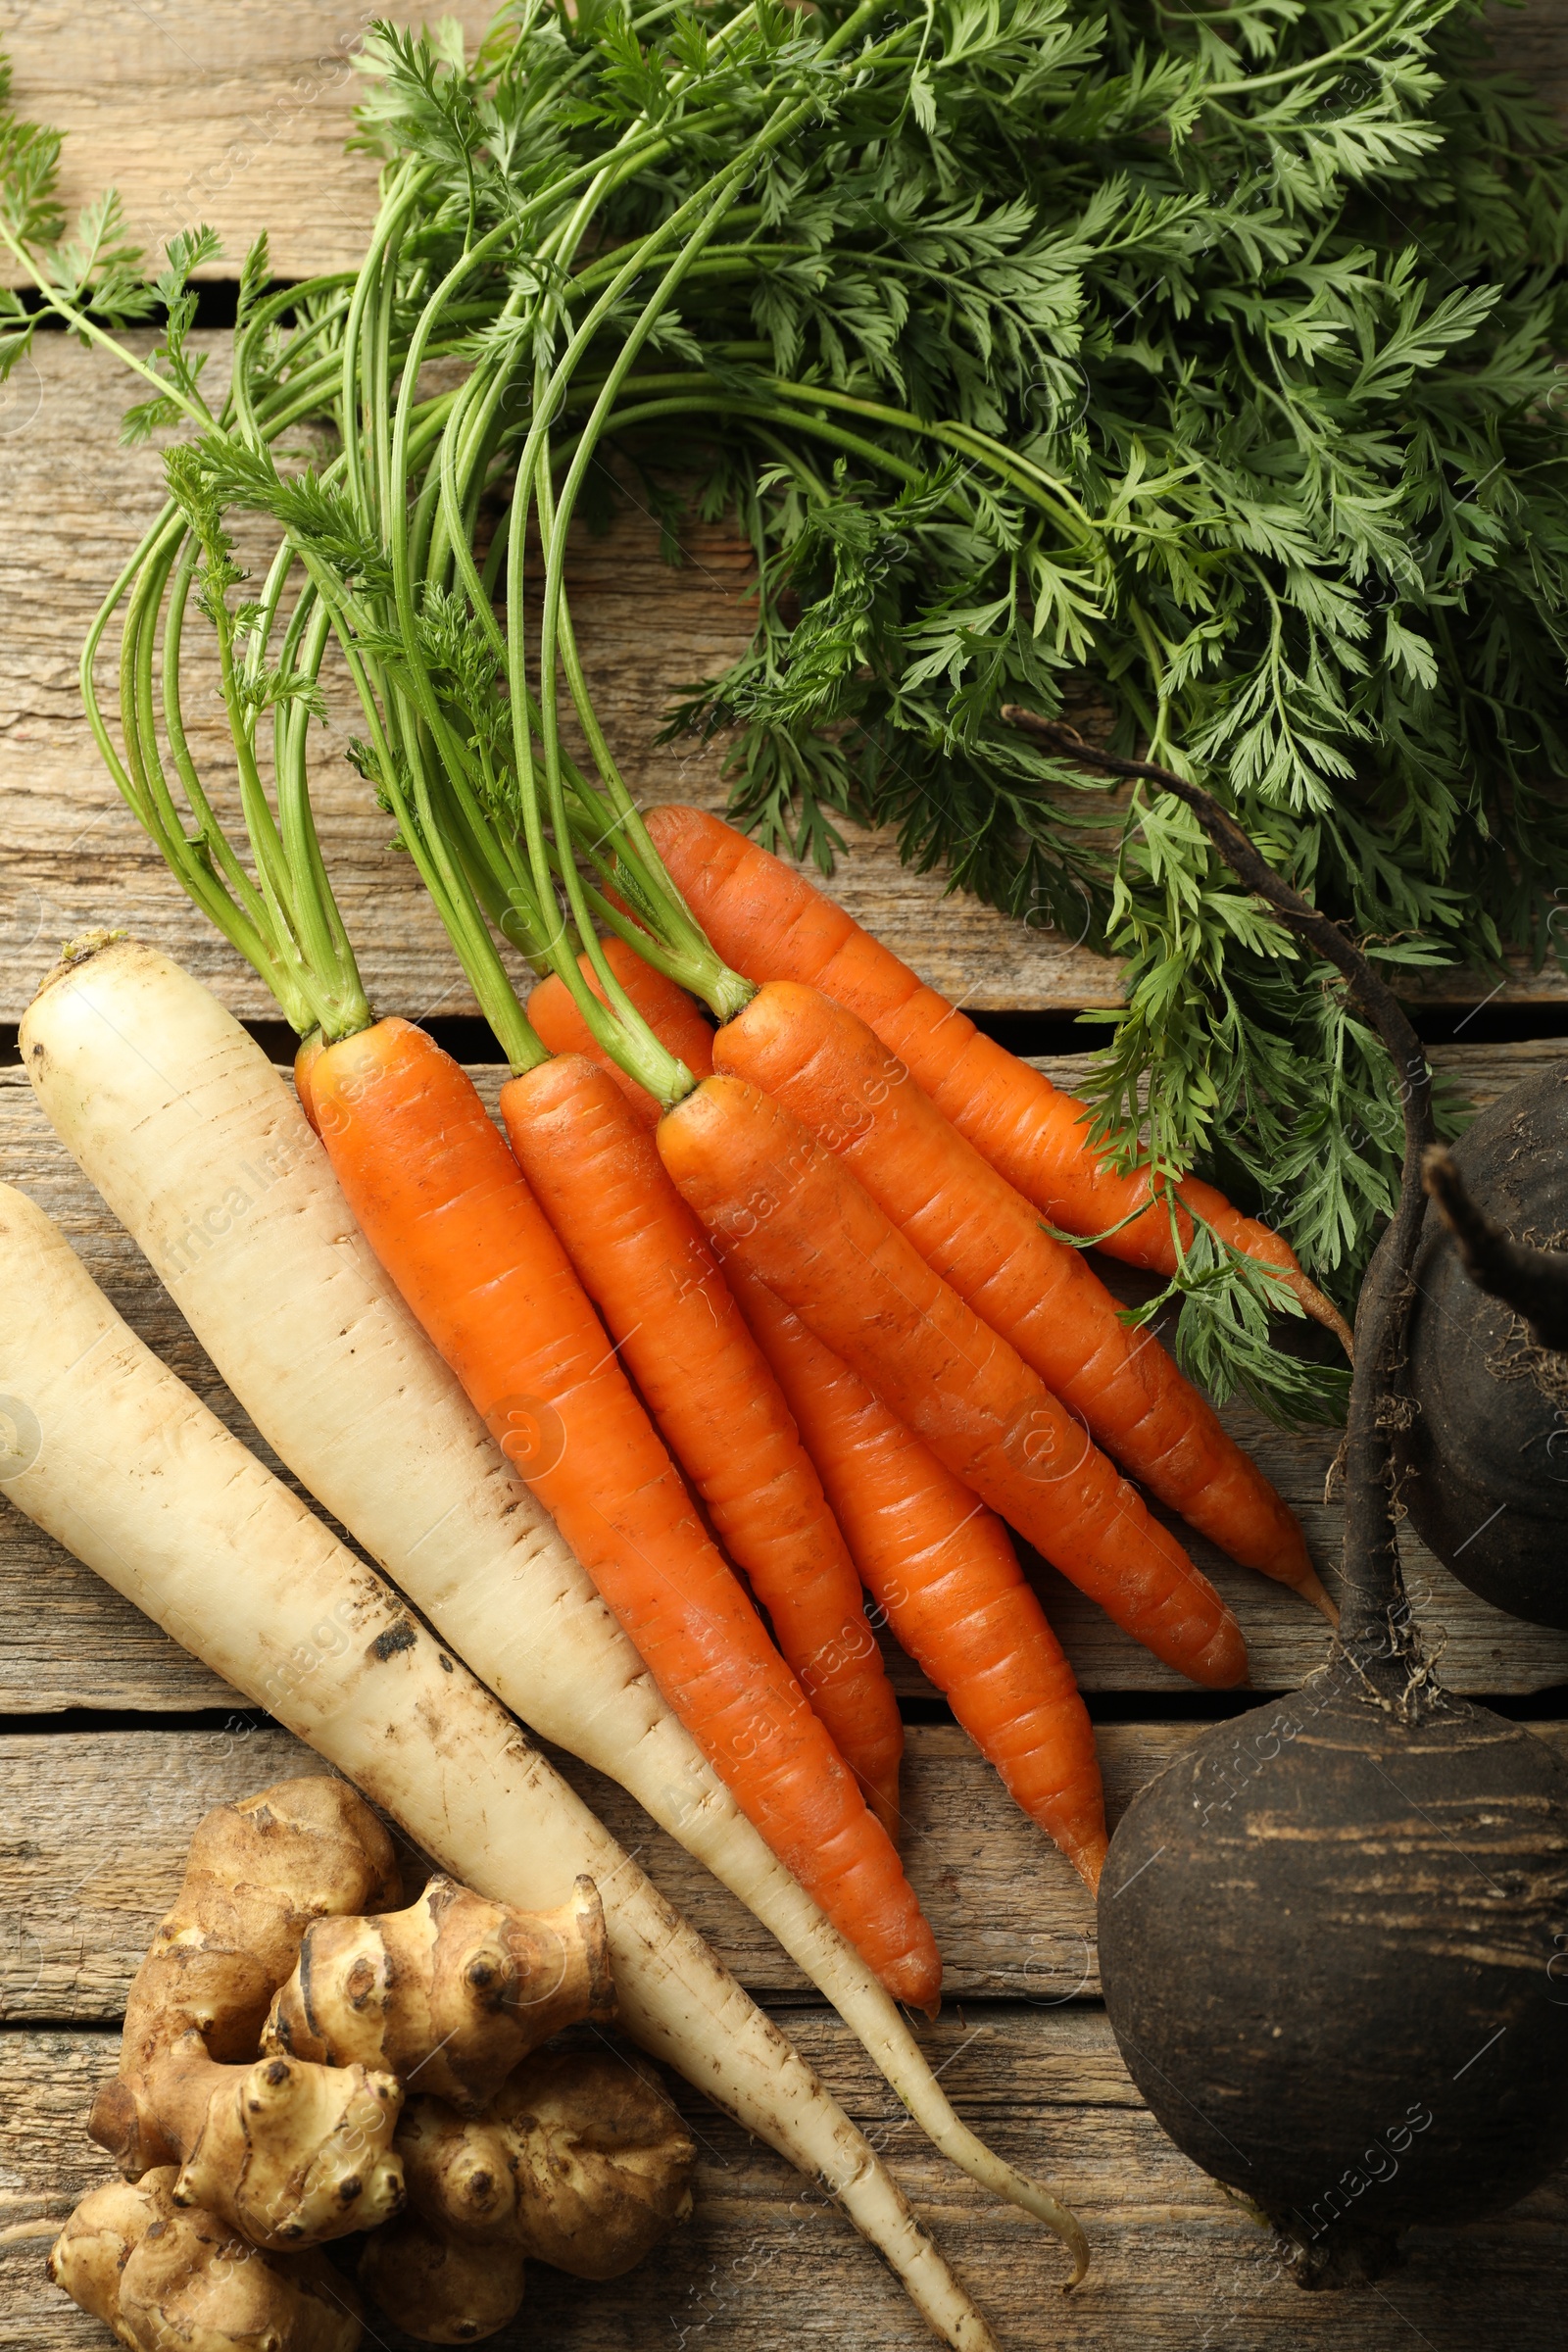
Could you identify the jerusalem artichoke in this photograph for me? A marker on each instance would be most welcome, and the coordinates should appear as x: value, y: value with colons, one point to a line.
x: 169, y: 2277
x: 451, y: 1992
x: 287, y: 2154
x: 444, y: 2290
x: 579, y: 2158
x: 579, y: 2161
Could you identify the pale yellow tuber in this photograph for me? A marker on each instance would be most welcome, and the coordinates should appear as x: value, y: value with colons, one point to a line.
x: 287, y: 2154
x: 579, y: 2161
x: 171, y: 2279
x: 441, y: 2289
x: 284, y: 1933
x: 448, y: 1994
x: 604, y: 2162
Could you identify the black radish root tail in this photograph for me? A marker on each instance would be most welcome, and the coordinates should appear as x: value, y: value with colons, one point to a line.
x: 1330, y: 1932
x: 1533, y: 1282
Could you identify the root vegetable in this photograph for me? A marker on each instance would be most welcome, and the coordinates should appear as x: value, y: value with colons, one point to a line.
x: 447, y: 1210
x: 288, y: 2153
x: 648, y: 1266
x: 201, y: 1148
x: 442, y: 2290
x: 973, y: 1229
x: 167, y: 2278
x: 579, y: 2158
x: 580, y: 2162
x: 1486, y: 1455
x: 673, y: 1016
x: 944, y: 1569
x: 772, y: 925
x: 800, y: 1220
x: 450, y: 1993
x: 1329, y: 1931
x: 133, y: 1474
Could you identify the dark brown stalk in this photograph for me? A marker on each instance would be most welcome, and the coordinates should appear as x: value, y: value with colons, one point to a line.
x: 1375, y: 1624
x: 1533, y: 1282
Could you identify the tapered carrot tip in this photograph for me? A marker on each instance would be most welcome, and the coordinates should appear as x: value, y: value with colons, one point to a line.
x: 1323, y: 1311
x: 1090, y: 1860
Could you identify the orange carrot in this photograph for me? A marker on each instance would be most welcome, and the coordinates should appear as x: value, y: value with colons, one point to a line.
x: 823, y: 1064
x: 801, y: 1220
x: 648, y: 1266
x: 771, y: 925
x: 444, y: 1205
x: 671, y: 1015
x: 943, y: 1569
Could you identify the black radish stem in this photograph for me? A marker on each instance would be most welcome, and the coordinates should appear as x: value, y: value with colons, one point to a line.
x: 1332, y: 1934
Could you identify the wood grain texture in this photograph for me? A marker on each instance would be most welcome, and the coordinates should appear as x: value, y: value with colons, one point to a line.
x: 94, y: 1830
x: 234, y: 114
x: 67, y: 1641
x: 768, y: 2260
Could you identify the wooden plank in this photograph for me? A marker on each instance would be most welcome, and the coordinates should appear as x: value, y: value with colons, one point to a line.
x: 76, y: 505
x: 94, y: 1830
x: 234, y: 115
x: 767, y: 2261
x: 67, y: 1641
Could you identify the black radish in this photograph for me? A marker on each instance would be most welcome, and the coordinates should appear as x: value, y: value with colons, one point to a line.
x: 1486, y: 1455
x: 1334, y: 1935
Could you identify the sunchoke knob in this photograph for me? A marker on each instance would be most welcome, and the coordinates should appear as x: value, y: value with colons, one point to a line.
x: 167, y: 2278
x: 460, y: 2173
x: 292, y: 2155
x: 448, y: 1994
x: 579, y: 2158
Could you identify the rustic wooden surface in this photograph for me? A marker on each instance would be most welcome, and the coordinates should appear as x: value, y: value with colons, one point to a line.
x: 94, y: 1828
x: 235, y: 114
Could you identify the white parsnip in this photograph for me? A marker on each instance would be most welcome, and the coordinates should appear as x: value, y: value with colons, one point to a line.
x: 201, y: 1148
x: 120, y: 1463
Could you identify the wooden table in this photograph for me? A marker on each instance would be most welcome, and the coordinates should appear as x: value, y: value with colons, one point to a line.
x: 115, y: 1742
